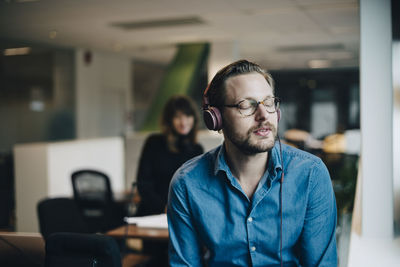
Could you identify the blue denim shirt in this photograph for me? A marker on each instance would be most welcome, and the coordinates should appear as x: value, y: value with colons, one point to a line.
x: 207, y: 209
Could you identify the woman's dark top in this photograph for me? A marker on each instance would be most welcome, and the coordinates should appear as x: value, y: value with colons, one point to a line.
x: 156, y: 168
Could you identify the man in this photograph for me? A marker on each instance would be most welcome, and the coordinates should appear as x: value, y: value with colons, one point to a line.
x: 250, y: 201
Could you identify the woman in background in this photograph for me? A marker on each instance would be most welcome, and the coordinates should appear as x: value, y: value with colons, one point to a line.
x: 165, y: 152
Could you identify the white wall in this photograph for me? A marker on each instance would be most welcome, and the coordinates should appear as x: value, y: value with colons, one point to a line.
x: 221, y: 54
x: 105, y: 155
x: 103, y: 93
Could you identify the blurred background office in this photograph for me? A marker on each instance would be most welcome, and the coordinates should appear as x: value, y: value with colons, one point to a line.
x: 79, y: 75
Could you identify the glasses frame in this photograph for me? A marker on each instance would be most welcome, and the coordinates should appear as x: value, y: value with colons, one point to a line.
x: 277, y: 102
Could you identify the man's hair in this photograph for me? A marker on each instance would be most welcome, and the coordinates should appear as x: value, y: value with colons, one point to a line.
x: 185, y: 105
x: 216, y: 91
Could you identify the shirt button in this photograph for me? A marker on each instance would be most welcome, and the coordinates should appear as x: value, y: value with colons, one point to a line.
x: 250, y: 219
x: 253, y: 248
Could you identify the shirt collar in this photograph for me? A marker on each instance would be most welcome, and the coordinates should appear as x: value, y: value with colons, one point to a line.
x: 274, y: 162
x: 220, y: 163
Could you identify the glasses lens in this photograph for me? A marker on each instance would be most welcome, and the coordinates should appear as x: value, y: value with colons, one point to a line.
x: 247, y: 107
x: 269, y: 105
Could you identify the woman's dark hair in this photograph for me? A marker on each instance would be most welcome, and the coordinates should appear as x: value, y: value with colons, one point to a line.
x: 216, y: 91
x: 185, y: 105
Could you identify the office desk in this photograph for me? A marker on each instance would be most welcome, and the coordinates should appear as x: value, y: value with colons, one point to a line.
x: 143, y: 233
x: 21, y: 249
x: 133, y: 231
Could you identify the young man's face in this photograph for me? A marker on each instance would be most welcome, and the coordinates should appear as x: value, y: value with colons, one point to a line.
x: 255, y: 133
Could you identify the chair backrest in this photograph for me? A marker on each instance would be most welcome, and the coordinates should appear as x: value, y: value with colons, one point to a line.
x: 60, y: 215
x: 93, y: 194
x: 81, y: 250
x: 91, y: 185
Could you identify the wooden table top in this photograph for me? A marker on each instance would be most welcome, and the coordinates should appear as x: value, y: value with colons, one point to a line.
x: 133, y: 231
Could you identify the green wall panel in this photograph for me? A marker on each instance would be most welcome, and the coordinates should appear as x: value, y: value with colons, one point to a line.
x: 181, y: 76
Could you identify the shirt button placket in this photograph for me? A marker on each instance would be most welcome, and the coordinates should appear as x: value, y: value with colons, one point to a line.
x: 249, y: 226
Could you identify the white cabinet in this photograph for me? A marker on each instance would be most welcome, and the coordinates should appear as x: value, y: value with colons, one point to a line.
x: 44, y: 170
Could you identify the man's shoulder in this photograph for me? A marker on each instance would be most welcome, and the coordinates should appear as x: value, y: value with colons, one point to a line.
x: 201, y: 163
x: 197, y: 168
x: 307, y: 167
x: 291, y: 153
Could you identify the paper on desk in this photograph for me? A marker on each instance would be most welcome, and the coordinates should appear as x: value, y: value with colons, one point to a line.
x: 152, y: 221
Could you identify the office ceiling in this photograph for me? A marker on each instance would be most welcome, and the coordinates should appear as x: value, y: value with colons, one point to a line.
x: 279, y: 34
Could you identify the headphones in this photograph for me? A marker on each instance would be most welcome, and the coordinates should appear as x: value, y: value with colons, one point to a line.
x: 212, y: 116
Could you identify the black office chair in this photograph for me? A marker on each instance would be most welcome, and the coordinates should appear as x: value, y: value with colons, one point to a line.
x: 93, y: 194
x: 60, y: 215
x: 81, y: 250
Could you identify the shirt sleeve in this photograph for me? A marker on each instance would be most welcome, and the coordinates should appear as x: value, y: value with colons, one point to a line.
x: 184, y: 244
x: 318, y: 239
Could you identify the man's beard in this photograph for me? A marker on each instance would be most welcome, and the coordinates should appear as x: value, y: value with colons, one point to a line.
x: 246, y: 145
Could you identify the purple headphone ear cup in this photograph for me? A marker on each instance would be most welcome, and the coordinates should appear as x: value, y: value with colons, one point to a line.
x: 212, y: 118
x: 218, y: 118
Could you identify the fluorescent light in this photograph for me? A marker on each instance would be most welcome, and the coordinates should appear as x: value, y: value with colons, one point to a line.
x: 17, y: 51
x: 319, y: 63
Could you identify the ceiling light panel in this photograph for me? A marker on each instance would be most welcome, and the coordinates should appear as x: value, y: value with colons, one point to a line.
x: 171, y: 22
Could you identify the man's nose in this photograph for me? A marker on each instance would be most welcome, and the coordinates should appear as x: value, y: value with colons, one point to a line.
x: 261, y: 112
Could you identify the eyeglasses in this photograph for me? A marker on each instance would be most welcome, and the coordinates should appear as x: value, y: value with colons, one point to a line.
x: 248, y: 107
